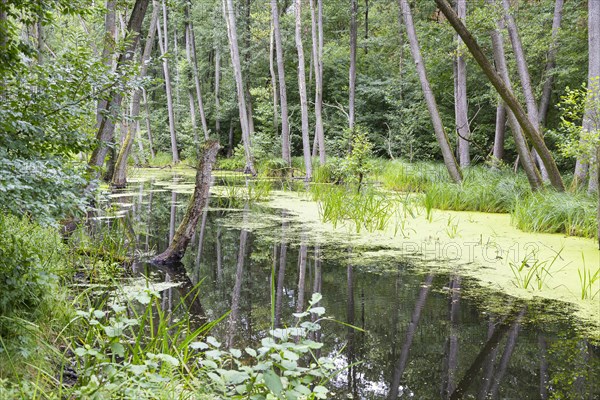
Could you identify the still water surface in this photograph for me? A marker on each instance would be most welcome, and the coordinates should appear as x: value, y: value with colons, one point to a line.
x: 424, y: 336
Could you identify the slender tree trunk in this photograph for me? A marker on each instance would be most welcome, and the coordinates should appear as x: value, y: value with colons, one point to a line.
x: 525, y: 158
x: 174, y: 253
x: 163, y: 44
x: 119, y: 178
x: 352, y: 72
x: 148, y: 127
x: 500, y: 132
x: 550, y: 63
x: 230, y: 139
x: 302, y: 89
x: 194, y: 63
x: 440, y: 133
x: 273, y: 81
x: 285, y: 127
x: 506, y: 94
x: 317, y: 55
x: 217, y: 89
x: 229, y: 14
x: 591, y: 119
x: 525, y: 78
x: 188, y: 53
x: 460, y: 96
x: 106, y: 127
x: 108, y: 50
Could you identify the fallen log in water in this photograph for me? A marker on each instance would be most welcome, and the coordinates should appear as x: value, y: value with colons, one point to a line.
x: 174, y: 253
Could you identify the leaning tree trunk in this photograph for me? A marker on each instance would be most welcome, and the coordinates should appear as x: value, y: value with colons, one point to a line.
x: 436, y: 120
x: 285, y: 126
x: 506, y: 94
x: 352, y: 71
x: 165, y: 62
x: 525, y: 78
x: 119, y: 179
x: 229, y: 14
x: 533, y: 176
x: 302, y: 89
x: 317, y: 55
x: 174, y: 253
x: 106, y: 127
x: 460, y: 96
x: 591, y: 121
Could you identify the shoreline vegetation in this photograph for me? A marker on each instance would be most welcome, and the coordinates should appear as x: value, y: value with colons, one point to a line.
x: 405, y: 224
x: 462, y: 138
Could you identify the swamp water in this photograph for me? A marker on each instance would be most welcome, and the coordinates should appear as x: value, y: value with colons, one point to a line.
x: 424, y: 336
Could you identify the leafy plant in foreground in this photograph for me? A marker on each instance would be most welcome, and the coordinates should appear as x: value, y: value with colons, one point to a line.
x: 274, y: 370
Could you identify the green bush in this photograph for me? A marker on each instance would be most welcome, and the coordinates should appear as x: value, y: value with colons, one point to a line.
x: 30, y: 257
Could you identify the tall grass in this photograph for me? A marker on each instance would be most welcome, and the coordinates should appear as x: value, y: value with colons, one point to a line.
x: 418, y: 177
x: 552, y: 212
x: 365, y: 210
x: 482, y: 190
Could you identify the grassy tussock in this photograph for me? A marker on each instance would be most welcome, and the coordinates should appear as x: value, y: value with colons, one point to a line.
x: 551, y: 212
x: 495, y: 191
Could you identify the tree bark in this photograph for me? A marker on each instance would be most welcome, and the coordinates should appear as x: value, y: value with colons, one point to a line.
x: 352, y: 71
x: 500, y: 132
x: 506, y: 94
x: 285, y: 127
x: 194, y: 64
x: 106, y: 127
x: 525, y: 78
x: 461, y: 106
x: 591, y: 119
x: 440, y: 133
x: 165, y: 62
x: 273, y: 81
x: 174, y: 253
x: 229, y: 14
x: 119, y: 179
x: 302, y: 89
x: 148, y: 127
x: 108, y: 50
x: 317, y: 55
x: 535, y: 180
x: 550, y: 63
x: 217, y: 89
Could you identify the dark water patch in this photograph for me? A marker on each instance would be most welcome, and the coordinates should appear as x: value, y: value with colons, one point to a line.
x: 425, y: 336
